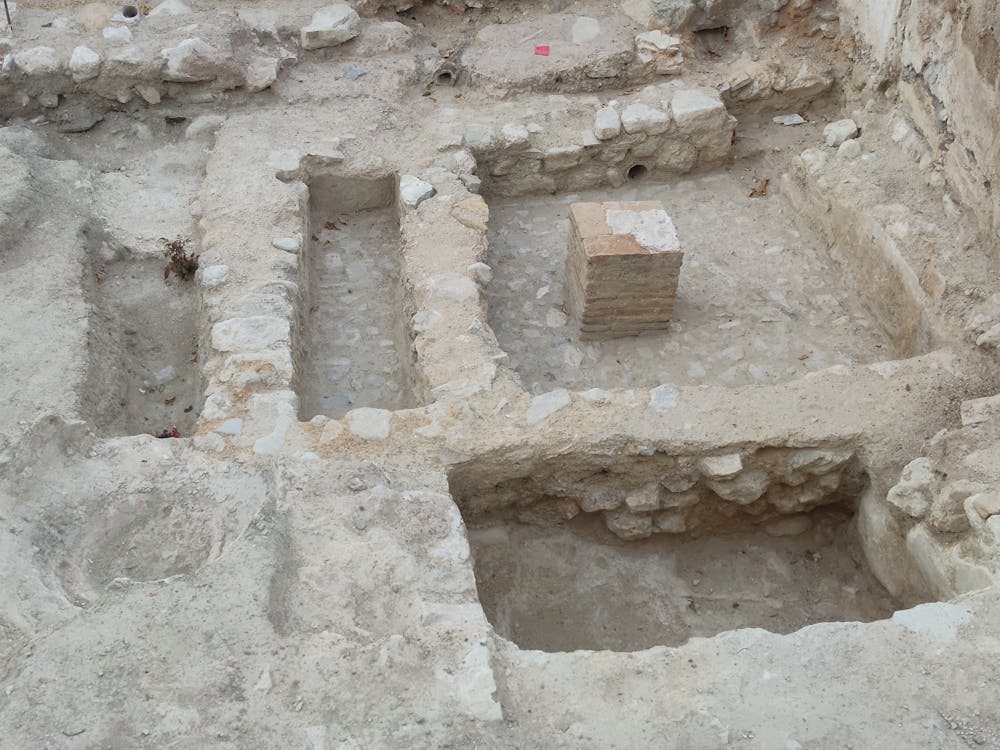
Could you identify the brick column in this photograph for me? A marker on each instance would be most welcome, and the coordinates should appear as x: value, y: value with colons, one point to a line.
x: 622, y: 267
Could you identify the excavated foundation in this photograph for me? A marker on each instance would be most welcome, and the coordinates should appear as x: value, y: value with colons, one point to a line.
x: 354, y: 352
x: 143, y: 372
x: 628, y: 552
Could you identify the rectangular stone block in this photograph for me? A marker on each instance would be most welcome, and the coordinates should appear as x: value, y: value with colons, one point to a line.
x: 622, y: 268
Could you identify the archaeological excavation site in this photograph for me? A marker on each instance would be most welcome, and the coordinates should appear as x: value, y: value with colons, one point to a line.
x: 500, y: 374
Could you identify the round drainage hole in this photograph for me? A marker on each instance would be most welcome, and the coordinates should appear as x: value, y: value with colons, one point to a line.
x: 637, y: 172
x: 444, y: 79
x: 130, y: 11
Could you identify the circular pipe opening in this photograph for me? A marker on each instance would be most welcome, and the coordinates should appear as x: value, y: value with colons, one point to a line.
x: 444, y: 78
x: 130, y: 11
x: 637, y: 172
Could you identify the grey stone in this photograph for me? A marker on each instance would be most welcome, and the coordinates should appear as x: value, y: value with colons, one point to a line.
x: 979, y: 410
x: 481, y: 272
x: 600, y: 498
x: 698, y: 110
x: 370, y: 424
x: 413, y: 191
x: 192, y: 60
x: 641, y: 118
x: 664, y: 398
x: 596, y: 396
x: 849, y: 149
x: 626, y: 525
x: 721, y: 467
x: 37, y: 61
x: 607, y: 123
x: 170, y: 8
x: 262, y: 71
x: 249, y: 334
x: 644, y: 499
x: 288, y: 244
x: 912, y: 494
x: 330, y: 26
x: 986, y: 504
x: 214, y: 276
x: 544, y: 406
x: 232, y: 426
x: 744, y: 489
x: 84, y: 64
x: 837, y: 132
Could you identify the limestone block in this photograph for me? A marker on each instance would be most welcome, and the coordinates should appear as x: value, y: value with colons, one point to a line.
x: 837, y: 132
x: 979, y: 410
x: 948, y: 509
x: 84, y: 64
x: 607, y: 123
x: 192, y: 60
x: 641, y: 118
x: 598, y: 497
x: 986, y: 504
x: 413, y: 191
x: 660, y: 49
x: 644, y: 499
x: 744, y: 489
x: 249, y: 334
x: 544, y: 406
x: 701, y: 116
x: 213, y: 276
x: 37, y: 61
x: 912, y: 494
x: 626, y: 525
x: 721, y: 467
x: 368, y: 423
x: 330, y: 26
x: 622, y: 268
x: 262, y: 71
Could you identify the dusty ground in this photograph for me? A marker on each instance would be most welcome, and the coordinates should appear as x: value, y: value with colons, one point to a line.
x: 340, y: 549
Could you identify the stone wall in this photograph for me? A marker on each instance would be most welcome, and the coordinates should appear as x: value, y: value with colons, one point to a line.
x: 726, y: 488
x: 670, y: 128
x: 946, y: 56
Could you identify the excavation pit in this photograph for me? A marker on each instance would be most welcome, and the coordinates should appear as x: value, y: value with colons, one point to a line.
x: 758, y: 301
x: 143, y: 373
x: 594, y: 553
x: 356, y: 351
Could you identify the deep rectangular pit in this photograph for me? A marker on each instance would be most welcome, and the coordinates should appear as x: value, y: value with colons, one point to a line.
x: 758, y: 301
x: 356, y: 352
x: 625, y: 553
x: 143, y: 374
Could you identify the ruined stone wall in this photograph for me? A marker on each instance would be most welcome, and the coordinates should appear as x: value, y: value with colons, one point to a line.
x: 946, y: 56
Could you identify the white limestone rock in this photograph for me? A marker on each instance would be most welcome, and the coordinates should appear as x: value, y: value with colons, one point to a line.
x: 84, y: 64
x: 170, y: 8
x: 413, y: 191
x: 288, y: 244
x: 627, y: 525
x: 837, y: 132
x: 664, y: 398
x: 250, y: 334
x: 645, y: 498
x: 261, y: 72
x: 214, y: 276
x: 514, y: 134
x: 912, y: 494
x: 481, y: 272
x: 641, y: 118
x: 849, y: 149
x: 192, y: 60
x: 368, y: 423
x: 721, y: 467
x: 544, y: 406
x: 744, y: 489
x: 699, y: 112
x: 117, y: 34
x: 330, y: 26
x: 607, y: 123
x: 979, y: 410
x: 37, y: 61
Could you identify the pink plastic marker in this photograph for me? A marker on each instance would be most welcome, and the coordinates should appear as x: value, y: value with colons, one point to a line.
x: 542, y: 49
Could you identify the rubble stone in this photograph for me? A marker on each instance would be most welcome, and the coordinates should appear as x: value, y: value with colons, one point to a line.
x: 331, y: 26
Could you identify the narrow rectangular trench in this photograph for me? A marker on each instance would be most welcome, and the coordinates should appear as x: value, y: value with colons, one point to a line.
x: 143, y: 374
x: 356, y: 351
x: 552, y: 577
